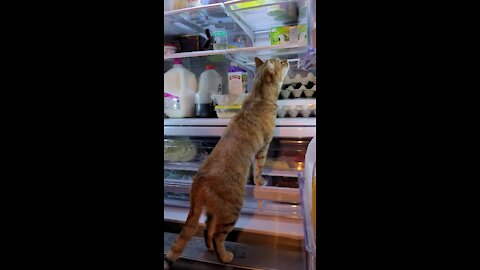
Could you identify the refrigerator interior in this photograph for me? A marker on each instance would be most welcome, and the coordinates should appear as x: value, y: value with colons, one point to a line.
x: 270, y: 233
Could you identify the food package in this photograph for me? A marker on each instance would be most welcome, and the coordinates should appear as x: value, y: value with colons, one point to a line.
x: 280, y: 35
x: 179, y: 150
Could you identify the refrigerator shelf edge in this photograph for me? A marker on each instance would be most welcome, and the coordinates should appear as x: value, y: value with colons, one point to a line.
x: 276, y: 226
x: 250, y: 51
x: 280, y: 122
x: 279, y: 194
x: 193, y: 166
x: 280, y: 132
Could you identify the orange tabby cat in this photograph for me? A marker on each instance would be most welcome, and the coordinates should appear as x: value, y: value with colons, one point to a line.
x: 219, y: 184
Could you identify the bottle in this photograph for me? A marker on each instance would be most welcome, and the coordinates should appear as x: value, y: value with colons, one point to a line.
x: 237, y: 80
x: 210, y: 82
x: 179, y: 88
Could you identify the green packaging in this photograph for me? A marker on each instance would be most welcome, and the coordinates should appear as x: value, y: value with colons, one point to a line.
x: 280, y: 35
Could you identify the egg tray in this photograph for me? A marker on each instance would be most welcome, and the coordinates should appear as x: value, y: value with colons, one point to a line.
x: 297, y: 111
x: 301, y: 92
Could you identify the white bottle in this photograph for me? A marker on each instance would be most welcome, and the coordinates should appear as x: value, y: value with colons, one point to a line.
x: 237, y: 80
x: 210, y: 82
x: 179, y: 88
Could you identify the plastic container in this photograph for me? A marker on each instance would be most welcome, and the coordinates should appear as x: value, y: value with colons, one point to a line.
x: 191, y: 43
x: 221, y: 40
x: 179, y: 150
x: 237, y: 80
x: 227, y: 111
x: 179, y: 88
x: 229, y: 100
x: 169, y: 48
x: 239, y: 41
x: 210, y: 83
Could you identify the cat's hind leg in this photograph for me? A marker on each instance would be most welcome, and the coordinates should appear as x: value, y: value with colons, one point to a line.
x: 209, y: 231
x: 223, y: 227
x: 221, y: 232
x: 260, y: 159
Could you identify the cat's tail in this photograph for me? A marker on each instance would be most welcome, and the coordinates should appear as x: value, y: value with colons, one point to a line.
x: 186, y: 234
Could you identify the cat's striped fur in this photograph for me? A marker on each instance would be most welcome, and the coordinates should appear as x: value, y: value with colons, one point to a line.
x: 219, y: 185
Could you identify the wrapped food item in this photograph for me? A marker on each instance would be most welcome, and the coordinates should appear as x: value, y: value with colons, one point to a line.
x: 179, y: 150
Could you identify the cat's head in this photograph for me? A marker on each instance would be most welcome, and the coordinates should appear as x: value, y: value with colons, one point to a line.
x: 272, y: 70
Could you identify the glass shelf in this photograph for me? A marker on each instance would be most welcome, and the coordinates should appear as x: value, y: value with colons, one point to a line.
x: 195, y: 20
x: 247, y: 54
x: 269, y: 201
x: 253, y: 19
x: 235, y: 16
x: 261, y: 16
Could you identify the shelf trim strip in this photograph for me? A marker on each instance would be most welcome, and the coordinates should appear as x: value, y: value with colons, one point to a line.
x: 235, y: 50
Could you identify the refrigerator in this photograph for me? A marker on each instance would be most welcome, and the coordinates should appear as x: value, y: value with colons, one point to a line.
x: 274, y: 230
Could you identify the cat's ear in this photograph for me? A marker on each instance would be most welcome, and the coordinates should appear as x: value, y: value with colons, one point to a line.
x: 258, y: 62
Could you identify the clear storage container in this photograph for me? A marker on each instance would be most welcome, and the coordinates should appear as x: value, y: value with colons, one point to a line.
x: 227, y: 111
